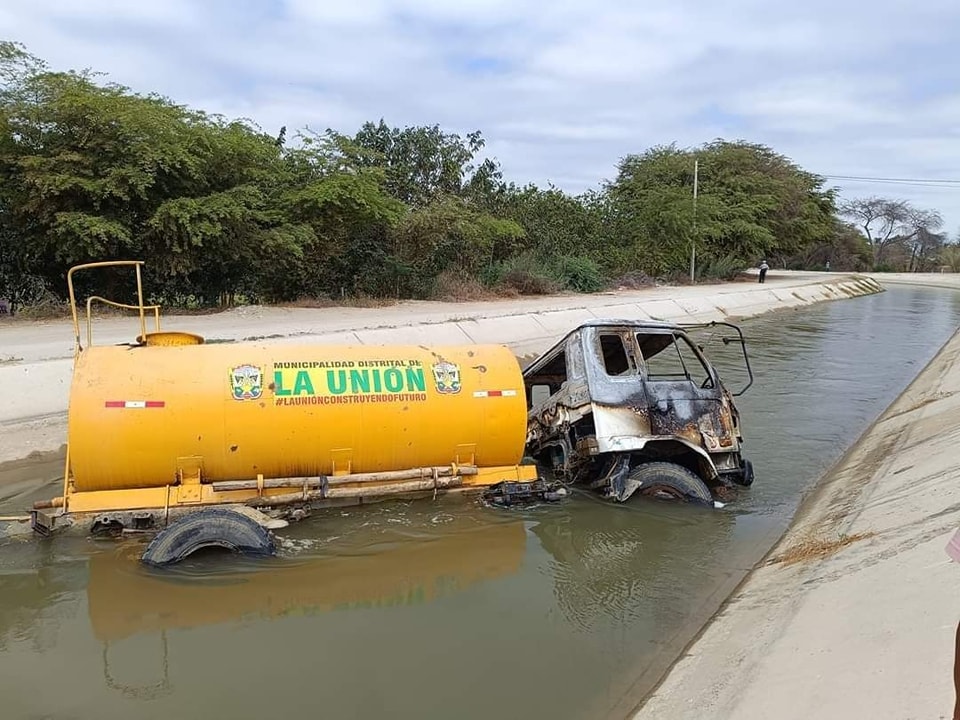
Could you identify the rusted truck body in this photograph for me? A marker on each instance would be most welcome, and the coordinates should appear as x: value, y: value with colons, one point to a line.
x: 626, y: 407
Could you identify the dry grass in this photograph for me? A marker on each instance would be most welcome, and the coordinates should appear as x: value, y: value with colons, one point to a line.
x: 816, y: 548
x: 525, y: 282
x: 356, y: 301
x: 633, y: 281
x: 181, y: 310
x: 50, y: 308
x: 458, y: 286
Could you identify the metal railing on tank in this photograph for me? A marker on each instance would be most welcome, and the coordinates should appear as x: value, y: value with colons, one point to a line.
x: 155, y: 337
x: 139, y: 307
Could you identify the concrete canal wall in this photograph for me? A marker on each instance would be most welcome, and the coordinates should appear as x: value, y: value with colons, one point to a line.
x: 854, y: 612
x: 36, y: 358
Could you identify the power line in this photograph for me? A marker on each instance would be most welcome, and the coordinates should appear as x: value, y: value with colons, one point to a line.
x: 888, y: 179
x: 919, y: 182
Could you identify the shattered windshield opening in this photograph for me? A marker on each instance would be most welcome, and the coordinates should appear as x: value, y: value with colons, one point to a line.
x: 669, y: 357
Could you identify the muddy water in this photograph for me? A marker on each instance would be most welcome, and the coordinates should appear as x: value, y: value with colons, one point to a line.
x: 438, y: 610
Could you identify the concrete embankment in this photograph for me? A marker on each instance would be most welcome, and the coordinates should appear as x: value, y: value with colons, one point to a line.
x: 950, y: 281
x: 36, y: 358
x: 854, y: 612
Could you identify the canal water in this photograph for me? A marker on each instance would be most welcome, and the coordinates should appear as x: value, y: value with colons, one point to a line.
x: 445, y: 609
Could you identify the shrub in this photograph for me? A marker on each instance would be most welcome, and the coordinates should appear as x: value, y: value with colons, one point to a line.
x: 726, y: 267
x: 578, y: 273
x: 524, y: 274
x: 457, y: 285
x: 47, y: 307
x: 528, y: 283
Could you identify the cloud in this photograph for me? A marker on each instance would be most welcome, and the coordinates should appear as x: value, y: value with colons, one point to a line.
x: 561, y: 90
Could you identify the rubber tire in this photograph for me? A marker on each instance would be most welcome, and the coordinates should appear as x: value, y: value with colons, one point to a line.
x: 748, y: 475
x: 673, y: 476
x: 216, y: 527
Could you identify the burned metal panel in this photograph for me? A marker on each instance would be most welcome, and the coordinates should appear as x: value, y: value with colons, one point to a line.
x: 608, y: 404
x: 576, y: 365
x: 615, y: 425
x: 557, y: 413
x: 562, y: 369
x: 622, y: 390
x: 701, y: 412
x: 660, y: 408
x: 701, y: 416
x: 556, y: 421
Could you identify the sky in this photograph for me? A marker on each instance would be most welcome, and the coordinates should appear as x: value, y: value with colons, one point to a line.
x: 560, y: 90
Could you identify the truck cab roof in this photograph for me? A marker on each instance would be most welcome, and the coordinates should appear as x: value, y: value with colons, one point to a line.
x: 658, y: 327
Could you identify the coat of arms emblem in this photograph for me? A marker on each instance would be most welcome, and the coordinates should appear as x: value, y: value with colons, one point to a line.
x: 246, y: 382
x: 446, y: 375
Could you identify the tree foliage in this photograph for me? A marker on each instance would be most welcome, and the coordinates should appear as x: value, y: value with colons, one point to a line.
x: 751, y: 203
x: 844, y: 249
x: 223, y: 211
x: 425, y: 164
x: 950, y: 257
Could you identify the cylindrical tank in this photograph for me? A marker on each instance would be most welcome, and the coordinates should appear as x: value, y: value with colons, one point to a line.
x: 139, y: 414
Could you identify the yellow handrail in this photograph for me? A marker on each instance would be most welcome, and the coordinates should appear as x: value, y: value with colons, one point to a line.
x: 73, y: 301
x: 122, y: 306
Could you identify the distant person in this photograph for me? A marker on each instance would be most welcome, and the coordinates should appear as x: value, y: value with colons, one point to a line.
x: 828, y: 266
x: 763, y: 270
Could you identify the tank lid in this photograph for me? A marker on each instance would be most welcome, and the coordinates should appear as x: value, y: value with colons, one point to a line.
x: 171, y: 338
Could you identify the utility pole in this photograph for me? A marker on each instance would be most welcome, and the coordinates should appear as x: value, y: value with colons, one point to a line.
x: 693, y: 240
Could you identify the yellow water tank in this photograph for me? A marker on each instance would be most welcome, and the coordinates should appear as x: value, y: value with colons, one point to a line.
x: 140, y: 415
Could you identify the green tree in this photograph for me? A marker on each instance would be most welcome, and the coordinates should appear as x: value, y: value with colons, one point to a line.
x: 96, y: 172
x: 554, y: 222
x: 224, y: 212
x: 752, y: 202
x: 845, y: 249
x: 652, y: 200
x: 217, y: 208
x: 451, y: 234
x: 771, y: 206
x: 347, y: 213
x: 424, y: 164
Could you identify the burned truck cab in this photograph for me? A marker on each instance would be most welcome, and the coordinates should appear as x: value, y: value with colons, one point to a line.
x: 629, y: 407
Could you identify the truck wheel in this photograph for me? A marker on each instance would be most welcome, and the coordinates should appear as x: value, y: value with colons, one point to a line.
x: 668, y: 481
x: 216, y: 527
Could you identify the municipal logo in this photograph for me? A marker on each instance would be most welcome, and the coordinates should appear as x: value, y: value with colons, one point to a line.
x: 246, y: 382
x: 446, y: 375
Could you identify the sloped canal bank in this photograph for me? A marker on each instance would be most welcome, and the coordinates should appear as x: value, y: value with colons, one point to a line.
x: 446, y: 609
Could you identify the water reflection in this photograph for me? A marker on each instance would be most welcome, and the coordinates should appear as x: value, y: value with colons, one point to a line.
x: 124, y: 599
x: 608, y: 562
x: 600, y: 572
